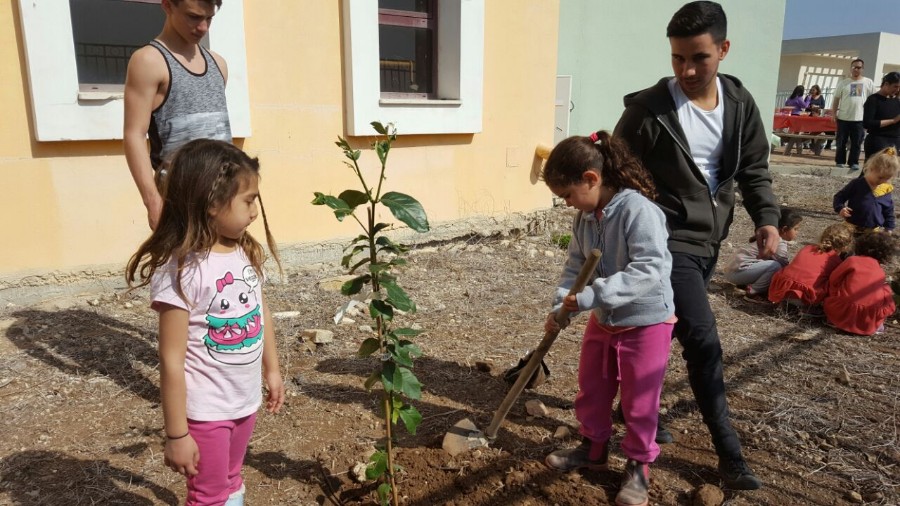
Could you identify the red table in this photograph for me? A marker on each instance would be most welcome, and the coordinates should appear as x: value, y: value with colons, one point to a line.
x: 806, y: 124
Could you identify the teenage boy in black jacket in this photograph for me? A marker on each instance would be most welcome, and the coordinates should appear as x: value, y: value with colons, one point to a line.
x: 698, y: 134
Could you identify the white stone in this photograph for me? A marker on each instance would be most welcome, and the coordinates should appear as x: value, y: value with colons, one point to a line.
x: 283, y: 315
x: 319, y: 336
x: 536, y: 408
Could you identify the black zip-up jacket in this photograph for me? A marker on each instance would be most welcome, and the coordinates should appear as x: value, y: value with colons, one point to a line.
x: 698, y: 221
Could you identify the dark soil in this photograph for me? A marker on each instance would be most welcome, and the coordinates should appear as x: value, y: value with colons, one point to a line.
x: 817, y: 410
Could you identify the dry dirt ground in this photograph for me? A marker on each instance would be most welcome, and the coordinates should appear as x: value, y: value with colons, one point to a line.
x: 817, y: 410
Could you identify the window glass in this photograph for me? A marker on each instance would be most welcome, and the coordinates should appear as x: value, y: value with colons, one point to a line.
x: 406, y: 59
x: 107, y: 32
x: 406, y: 5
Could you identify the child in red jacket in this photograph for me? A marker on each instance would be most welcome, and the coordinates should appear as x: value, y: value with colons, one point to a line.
x: 859, y: 300
x: 804, y: 282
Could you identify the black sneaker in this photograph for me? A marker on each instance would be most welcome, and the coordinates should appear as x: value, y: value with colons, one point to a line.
x: 737, y: 474
x: 663, y: 436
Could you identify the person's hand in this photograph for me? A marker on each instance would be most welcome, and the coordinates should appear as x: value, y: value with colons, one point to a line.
x: 275, y: 385
x: 154, y: 209
x: 570, y: 302
x: 767, y: 240
x: 182, y: 455
x: 845, y: 212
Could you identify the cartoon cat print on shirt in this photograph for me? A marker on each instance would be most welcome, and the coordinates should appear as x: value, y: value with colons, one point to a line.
x: 235, y: 334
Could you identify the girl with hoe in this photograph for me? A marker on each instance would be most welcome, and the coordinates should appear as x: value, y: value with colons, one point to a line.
x: 216, y: 338
x: 866, y: 202
x: 629, y: 332
x: 804, y: 282
x: 745, y: 268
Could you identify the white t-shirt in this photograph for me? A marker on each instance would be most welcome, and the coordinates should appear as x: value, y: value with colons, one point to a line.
x: 852, y: 96
x: 223, y: 365
x: 703, y: 130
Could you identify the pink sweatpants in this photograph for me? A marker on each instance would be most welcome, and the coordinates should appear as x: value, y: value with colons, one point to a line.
x: 636, y: 360
x: 222, y: 448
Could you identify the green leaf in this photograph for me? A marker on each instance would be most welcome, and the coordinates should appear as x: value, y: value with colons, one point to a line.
x: 353, y: 155
x: 381, y: 149
x: 398, y: 297
x: 341, y: 209
x: 396, y: 404
x: 353, y: 286
x: 400, y: 355
x: 379, y: 127
x: 384, y: 494
x: 380, y: 267
x: 364, y: 261
x: 406, y: 209
x: 406, y: 382
x: 411, y: 349
x: 381, y: 308
x: 372, y: 379
x: 349, y: 256
x: 397, y: 261
x: 405, y: 332
x: 387, y: 376
x: 389, y: 245
x: 368, y: 347
x: 411, y: 418
x: 342, y: 143
x: 377, y: 465
x: 354, y: 198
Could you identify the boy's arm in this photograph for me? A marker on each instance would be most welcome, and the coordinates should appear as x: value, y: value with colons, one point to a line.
x: 271, y: 369
x: 142, y: 83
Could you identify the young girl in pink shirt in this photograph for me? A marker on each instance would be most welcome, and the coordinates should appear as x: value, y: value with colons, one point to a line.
x: 216, y: 338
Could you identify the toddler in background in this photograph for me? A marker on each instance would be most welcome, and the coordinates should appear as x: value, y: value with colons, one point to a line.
x: 866, y: 202
x: 859, y: 299
x: 745, y: 268
x: 804, y: 282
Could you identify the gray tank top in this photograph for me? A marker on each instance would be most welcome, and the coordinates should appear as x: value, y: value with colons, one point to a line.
x: 193, y: 108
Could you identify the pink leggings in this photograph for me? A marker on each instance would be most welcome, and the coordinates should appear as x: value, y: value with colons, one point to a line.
x: 636, y: 360
x: 222, y: 448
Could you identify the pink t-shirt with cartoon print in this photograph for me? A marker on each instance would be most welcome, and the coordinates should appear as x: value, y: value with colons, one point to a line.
x: 223, y: 365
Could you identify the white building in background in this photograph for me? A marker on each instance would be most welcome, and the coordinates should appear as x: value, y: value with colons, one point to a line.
x: 826, y: 60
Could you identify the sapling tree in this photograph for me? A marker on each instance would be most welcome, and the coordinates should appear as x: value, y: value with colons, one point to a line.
x: 372, y: 257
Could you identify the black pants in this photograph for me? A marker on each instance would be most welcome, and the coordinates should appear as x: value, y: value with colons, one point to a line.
x: 697, y: 333
x: 875, y: 143
x: 852, y: 131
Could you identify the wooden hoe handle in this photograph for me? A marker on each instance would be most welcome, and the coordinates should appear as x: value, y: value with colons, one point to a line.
x: 590, y: 264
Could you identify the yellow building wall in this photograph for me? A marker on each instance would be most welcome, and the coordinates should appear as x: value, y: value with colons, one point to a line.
x: 71, y: 205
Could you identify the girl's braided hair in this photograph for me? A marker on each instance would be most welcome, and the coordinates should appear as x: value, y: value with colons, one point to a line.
x: 204, y: 175
x: 836, y: 237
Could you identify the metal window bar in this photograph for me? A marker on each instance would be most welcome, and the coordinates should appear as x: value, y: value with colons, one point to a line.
x: 102, y: 63
x: 782, y: 96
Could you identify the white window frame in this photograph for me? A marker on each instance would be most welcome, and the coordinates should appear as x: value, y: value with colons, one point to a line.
x: 460, y: 85
x: 62, y: 112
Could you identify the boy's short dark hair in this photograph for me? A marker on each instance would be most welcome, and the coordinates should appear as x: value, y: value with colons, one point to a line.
x: 697, y: 18
x: 216, y: 3
x: 877, y: 245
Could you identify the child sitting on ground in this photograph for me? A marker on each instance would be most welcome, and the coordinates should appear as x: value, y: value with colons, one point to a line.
x: 804, y: 282
x: 746, y: 268
x: 859, y: 299
x: 866, y: 202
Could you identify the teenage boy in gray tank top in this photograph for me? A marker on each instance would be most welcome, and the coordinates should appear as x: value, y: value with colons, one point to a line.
x: 174, y: 92
x: 700, y: 135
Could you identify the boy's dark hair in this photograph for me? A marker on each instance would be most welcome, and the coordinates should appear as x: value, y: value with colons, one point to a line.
x: 860, y: 60
x: 789, y: 219
x: 619, y: 169
x: 891, y: 78
x: 697, y: 18
x: 216, y: 3
x: 877, y: 245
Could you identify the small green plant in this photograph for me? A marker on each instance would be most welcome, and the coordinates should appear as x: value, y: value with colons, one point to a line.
x: 561, y: 240
x: 376, y: 252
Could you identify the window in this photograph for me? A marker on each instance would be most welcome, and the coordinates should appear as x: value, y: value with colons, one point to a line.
x: 416, y: 63
x: 106, y: 33
x: 75, y: 49
x: 406, y: 48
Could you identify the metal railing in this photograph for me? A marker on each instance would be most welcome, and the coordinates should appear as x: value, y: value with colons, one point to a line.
x: 782, y: 96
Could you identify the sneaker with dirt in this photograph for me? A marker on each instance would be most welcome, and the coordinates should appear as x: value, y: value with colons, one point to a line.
x: 635, y: 485
x: 737, y: 474
x: 587, y: 455
x: 756, y: 298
